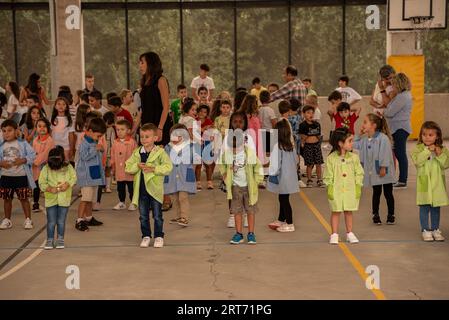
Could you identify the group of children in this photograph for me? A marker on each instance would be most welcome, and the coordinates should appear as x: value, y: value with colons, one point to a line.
x: 253, y: 147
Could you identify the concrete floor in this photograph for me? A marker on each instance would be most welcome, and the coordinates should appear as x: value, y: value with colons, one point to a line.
x: 198, y: 263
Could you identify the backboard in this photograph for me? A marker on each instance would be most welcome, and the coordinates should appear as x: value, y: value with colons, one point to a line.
x: 400, y: 12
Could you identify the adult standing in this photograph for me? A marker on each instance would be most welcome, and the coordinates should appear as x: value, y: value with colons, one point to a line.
x: 292, y: 89
x: 34, y: 87
x: 382, y: 93
x: 89, y: 82
x: 154, y: 96
x: 398, y: 115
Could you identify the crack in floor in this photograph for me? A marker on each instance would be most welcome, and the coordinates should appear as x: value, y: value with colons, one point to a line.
x: 415, y: 294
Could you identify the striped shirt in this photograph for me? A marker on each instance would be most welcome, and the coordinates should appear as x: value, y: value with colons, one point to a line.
x: 294, y: 89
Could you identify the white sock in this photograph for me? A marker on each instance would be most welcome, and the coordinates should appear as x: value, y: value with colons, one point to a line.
x: 88, y: 218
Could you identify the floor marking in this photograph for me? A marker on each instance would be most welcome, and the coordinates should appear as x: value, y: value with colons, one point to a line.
x: 19, y: 250
x: 349, y: 255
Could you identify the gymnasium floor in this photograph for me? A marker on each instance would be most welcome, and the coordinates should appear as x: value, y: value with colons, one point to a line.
x: 198, y: 263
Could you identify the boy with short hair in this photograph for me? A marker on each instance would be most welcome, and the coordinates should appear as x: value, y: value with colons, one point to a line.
x: 90, y: 173
x: 203, y: 96
x: 175, y: 106
x: 149, y: 164
x: 344, y: 117
x: 349, y: 94
x: 115, y: 105
x: 129, y: 105
x: 310, y: 131
x: 203, y: 80
x: 221, y: 122
x: 16, y: 159
x: 257, y: 88
x: 95, y: 98
x: 308, y: 84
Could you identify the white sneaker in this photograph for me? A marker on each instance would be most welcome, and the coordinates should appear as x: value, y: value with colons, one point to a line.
x: 108, y: 190
x: 437, y: 235
x: 145, y: 242
x: 302, y: 184
x: 120, y: 206
x: 427, y: 236
x: 231, y: 221
x: 286, y: 228
x: 132, y: 207
x: 158, y: 242
x: 351, y: 238
x: 245, y: 221
x: 334, y: 238
x: 28, y: 224
x: 6, y: 224
x: 275, y: 224
x: 96, y: 206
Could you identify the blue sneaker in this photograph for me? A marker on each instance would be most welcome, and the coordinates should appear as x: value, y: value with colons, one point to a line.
x: 251, y: 238
x: 237, y: 238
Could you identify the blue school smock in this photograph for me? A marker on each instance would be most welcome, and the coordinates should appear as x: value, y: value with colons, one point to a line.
x: 284, y: 165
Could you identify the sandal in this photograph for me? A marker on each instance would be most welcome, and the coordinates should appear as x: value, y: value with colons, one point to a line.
x: 167, y: 206
x: 183, y: 222
x: 210, y: 185
x: 174, y: 221
x: 199, y: 186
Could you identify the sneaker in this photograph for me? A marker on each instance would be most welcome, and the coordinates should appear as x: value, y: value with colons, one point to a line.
x: 158, y: 242
x: 120, y: 206
x: 351, y: 238
x: 48, y: 244
x: 400, y: 185
x: 81, y: 225
x: 28, y: 224
x: 302, y: 184
x: 96, y: 206
x: 94, y: 222
x: 210, y: 185
x: 6, y: 224
x: 376, y: 219
x: 309, y: 183
x: 427, y: 236
x: 167, y: 206
x: 320, y: 184
x: 36, y: 207
x: 437, y: 235
x: 251, y: 238
x: 174, y: 221
x: 108, y: 190
x: 286, y: 228
x: 390, y: 220
x: 60, y: 244
x: 223, y: 186
x: 183, y: 222
x: 275, y: 224
x: 231, y: 221
x: 132, y: 207
x: 237, y: 238
x: 145, y: 242
x: 245, y: 221
x: 334, y: 238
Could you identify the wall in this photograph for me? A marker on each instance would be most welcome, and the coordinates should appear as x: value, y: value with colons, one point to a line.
x: 436, y: 109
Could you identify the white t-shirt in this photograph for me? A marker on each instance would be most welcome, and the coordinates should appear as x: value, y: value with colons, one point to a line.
x: 266, y: 114
x: 13, y: 105
x: 317, y: 115
x: 187, y: 121
x: 239, y: 164
x: 102, y: 110
x: 11, y: 153
x: 349, y: 95
x: 207, y: 82
x: 60, y: 132
x: 377, y: 96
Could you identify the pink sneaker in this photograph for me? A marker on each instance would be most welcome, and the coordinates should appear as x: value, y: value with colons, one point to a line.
x: 276, y: 224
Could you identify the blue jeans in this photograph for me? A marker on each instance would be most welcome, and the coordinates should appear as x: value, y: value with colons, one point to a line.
x: 56, y: 216
x: 147, y: 203
x: 400, y: 151
x: 434, y: 217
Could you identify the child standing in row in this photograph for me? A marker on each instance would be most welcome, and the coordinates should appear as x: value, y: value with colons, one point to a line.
x: 121, y: 150
x: 62, y: 129
x: 283, y: 161
x: 16, y: 158
x: 344, y: 179
x: 242, y: 173
x: 431, y: 158
x: 181, y: 181
x: 90, y: 173
x: 149, y: 164
x: 221, y: 122
x: 42, y: 146
x: 176, y: 105
x: 109, y: 119
x: 29, y: 127
x: 206, y: 141
x: 57, y: 180
x: 376, y: 156
x: 310, y: 131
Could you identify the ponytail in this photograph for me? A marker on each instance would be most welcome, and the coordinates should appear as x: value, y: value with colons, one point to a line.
x: 381, y: 125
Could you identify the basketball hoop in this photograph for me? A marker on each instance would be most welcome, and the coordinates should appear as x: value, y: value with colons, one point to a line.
x: 421, y: 26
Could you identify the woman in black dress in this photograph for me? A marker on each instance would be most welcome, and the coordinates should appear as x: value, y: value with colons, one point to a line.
x: 155, y: 96
x: 155, y: 105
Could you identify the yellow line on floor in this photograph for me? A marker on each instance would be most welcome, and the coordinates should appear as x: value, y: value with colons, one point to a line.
x: 22, y: 263
x: 348, y: 254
